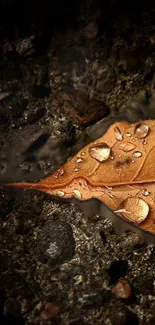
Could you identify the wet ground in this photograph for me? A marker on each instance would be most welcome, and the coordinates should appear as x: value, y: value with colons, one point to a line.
x: 57, y: 266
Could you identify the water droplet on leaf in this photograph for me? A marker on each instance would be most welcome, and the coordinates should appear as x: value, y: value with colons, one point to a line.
x: 77, y: 194
x: 137, y: 154
x: 128, y: 134
x: 134, y: 209
x: 79, y: 160
x: 61, y: 171
x: 59, y: 193
x: 141, y: 130
x: 127, y: 147
x: 118, y: 134
x: 100, y: 152
x: 145, y: 192
x: 144, y: 141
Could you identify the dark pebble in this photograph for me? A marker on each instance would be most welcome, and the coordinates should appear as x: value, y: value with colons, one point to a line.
x: 33, y: 117
x: 117, y: 270
x: 56, y: 243
x: 121, y: 315
x: 40, y: 91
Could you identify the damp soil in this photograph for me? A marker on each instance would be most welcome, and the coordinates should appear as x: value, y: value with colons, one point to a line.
x: 57, y: 266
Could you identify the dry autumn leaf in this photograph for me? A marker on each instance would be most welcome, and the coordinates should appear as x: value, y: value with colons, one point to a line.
x: 118, y: 169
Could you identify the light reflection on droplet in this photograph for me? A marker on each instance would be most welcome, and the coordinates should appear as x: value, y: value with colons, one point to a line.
x: 78, y: 160
x: 137, y: 154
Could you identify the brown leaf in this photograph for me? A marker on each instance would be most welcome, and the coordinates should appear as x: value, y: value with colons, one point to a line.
x: 118, y: 169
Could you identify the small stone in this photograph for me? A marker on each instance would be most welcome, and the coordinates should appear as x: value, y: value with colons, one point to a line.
x: 25, y: 46
x: 56, y: 243
x: 91, y: 30
x: 122, y: 289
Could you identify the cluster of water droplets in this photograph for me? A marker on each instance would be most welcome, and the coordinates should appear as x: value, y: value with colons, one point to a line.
x: 135, y: 209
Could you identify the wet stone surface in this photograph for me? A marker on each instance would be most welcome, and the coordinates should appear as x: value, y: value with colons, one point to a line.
x: 58, y: 266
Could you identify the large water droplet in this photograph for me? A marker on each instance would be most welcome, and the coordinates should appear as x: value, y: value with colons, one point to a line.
x: 77, y: 194
x: 137, y: 154
x: 118, y: 134
x: 100, y: 152
x: 127, y: 147
x: 141, y: 130
x: 134, y: 209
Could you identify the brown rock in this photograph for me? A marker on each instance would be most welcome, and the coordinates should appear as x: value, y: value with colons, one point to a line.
x: 122, y: 289
x: 51, y: 311
x: 81, y: 108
